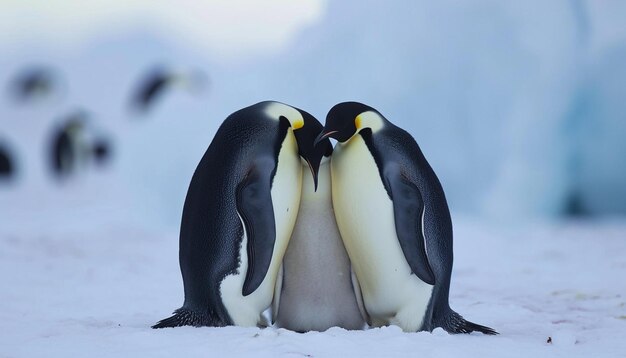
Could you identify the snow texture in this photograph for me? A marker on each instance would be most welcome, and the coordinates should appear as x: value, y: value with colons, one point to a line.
x: 96, y: 292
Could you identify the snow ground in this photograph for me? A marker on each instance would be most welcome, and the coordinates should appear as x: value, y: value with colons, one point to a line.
x: 96, y: 292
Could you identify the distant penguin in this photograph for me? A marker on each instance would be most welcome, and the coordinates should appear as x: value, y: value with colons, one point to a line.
x: 7, y: 167
x: 101, y: 150
x: 34, y: 83
x: 394, y: 220
x: 317, y: 291
x: 154, y: 84
x: 75, y: 144
x: 239, y: 214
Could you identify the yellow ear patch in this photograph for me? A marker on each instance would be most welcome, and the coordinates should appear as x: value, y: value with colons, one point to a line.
x: 298, y: 123
x: 369, y: 119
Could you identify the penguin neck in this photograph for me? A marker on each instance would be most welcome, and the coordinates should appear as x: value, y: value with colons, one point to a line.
x: 364, y: 133
x: 276, y: 110
x: 369, y: 120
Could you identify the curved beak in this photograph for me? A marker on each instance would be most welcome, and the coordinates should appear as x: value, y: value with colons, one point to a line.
x: 323, y: 136
x: 314, y: 171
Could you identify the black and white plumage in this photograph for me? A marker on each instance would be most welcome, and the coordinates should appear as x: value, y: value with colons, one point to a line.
x: 156, y: 83
x: 394, y: 219
x: 75, y: 144
x: 239, y: 214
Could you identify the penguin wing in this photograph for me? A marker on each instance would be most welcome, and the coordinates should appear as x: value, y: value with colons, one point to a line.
x: 254, y: 204
x: 408, y: 212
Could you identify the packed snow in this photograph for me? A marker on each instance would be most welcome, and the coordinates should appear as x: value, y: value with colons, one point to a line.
x: 96, y: 293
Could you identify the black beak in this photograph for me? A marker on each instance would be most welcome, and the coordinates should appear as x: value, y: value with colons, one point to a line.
x: 307, y: 138
x: 323, y: 136
x: 314, y: 171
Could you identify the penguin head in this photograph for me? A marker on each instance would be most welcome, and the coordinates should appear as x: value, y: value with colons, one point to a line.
x: 308, y: 150
x: 346, y: 119
x: 75, y: 125
x: 305, y: 128
x: 35, y: 83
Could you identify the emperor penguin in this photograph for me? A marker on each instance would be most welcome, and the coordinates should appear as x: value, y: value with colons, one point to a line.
x: 35, y: 83
x: 76, y: 143
x: 239, y: 214
x: 160, y: 80
x: 394, y: 221
x: 316, y: 291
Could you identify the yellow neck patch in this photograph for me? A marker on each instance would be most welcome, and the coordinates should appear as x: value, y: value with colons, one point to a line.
x: 358, y: 121
x: 369, y: 119
x: 276, y: 109
x: 297, y: 124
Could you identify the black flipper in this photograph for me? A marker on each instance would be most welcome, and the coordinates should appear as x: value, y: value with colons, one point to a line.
x: 408, y: 209
x: 254, y: 204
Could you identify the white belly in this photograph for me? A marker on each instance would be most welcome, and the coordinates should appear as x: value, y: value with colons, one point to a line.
x: 364, y: 212
x: 317, y: 291
x: 286, y: 188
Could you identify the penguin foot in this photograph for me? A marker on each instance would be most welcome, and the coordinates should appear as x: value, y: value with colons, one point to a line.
x: 183, y: 317
x: 455, y: 323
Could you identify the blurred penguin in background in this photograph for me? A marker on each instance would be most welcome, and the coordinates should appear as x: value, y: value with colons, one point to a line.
x: 75, y: 145
x: 7, y: 167
x: 34, y: 84
x: 157, y: 82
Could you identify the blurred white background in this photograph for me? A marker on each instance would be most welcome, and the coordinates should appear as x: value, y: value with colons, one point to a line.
x: 518, y: 106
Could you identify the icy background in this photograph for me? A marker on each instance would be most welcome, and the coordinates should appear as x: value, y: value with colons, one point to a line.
x: 518, y: 106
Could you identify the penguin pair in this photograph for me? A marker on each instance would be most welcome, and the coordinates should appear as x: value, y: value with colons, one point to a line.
x: 389, y: 212
x: 73, y: 144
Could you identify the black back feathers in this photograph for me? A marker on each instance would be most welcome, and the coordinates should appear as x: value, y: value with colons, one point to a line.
x: 155, y: 84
